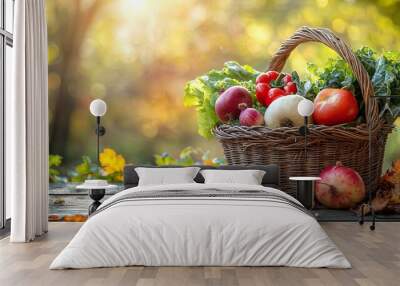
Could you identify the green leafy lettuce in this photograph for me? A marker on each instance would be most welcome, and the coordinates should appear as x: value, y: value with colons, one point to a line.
x: 202, y: 92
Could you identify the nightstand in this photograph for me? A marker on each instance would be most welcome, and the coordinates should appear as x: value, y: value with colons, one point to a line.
x: 306, y: 190
x: 96, y: 190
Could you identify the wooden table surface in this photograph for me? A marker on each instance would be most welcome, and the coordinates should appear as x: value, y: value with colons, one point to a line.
x: 375, y: 257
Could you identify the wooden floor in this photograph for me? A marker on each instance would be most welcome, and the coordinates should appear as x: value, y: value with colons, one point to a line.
x: 375, y: 257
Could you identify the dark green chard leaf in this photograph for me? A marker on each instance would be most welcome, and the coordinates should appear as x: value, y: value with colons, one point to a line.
x: 386, y: 82
x: 368, y: 57
x: 383, y: 77
x: 304, y: 88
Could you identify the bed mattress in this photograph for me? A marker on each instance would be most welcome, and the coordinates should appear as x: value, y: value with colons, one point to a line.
x: 201, y: 225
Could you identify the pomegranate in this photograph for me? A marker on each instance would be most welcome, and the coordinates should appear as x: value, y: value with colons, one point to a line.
x: 251, y: 117
x: 231, y: 102
x: 340, y: 187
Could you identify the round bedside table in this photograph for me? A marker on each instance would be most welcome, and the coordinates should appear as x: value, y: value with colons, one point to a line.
x: 305, y: 190
x: 96, y: 190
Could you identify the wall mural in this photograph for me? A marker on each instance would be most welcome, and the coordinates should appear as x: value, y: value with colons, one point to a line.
x: 161, y: 70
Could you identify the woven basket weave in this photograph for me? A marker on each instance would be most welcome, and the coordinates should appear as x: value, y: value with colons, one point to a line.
x: 325, y: 144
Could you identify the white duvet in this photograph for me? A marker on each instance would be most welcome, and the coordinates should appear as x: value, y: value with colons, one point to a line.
x: 200, y: 231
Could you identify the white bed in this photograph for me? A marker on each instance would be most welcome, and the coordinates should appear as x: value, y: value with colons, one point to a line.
x: 202, y: 231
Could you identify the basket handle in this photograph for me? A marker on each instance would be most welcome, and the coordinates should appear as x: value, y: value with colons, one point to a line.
x: 327, y: 37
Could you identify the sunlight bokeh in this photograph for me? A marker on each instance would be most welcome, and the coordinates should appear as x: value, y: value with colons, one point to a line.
x: 138, y: 54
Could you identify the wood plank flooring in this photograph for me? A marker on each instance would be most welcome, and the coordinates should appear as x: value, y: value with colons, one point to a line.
x: 375, y: 257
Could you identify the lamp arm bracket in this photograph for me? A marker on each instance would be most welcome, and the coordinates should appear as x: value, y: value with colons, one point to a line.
x: 100, y: 130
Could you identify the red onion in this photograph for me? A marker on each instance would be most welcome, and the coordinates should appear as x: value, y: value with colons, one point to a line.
x: 251, y: 117
x: 230, y: 103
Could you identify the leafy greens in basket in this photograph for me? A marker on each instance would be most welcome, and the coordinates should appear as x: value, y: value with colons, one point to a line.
x: 204, y: 91
x: 384, y: 72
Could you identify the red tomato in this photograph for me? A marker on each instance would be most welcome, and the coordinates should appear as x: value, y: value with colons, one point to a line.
x: 273, y: 94
x: 267, y: 77
x: 286, y: 79
x: 290, y: 88
x: 335, y: 106
x: 272, y: 75
x: 262, y: 78
x: 262, y: 92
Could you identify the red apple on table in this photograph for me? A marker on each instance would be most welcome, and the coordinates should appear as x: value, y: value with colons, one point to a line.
x: 340, y: 187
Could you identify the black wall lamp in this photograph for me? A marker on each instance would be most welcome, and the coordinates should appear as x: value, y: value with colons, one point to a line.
x: 98, y: 108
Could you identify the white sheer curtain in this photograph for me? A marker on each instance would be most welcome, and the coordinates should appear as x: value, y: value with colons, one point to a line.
x: 27, y: 124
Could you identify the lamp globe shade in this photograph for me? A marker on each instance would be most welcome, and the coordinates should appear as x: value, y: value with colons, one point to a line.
x: 305, y: 107
x: 98, y: 107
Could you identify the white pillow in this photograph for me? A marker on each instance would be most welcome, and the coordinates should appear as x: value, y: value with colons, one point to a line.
x: 248, y: 177
x: 165, y: 176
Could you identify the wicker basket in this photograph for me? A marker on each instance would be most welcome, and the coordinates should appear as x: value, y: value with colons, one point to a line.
x: 325, y: 144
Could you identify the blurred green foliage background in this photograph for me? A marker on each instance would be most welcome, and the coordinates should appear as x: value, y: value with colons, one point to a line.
x: 138, y: 54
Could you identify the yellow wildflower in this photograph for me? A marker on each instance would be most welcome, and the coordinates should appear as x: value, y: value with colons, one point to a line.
x: 111, y: 162
x: 208, y: 162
